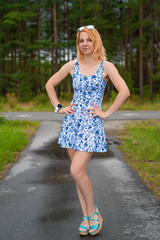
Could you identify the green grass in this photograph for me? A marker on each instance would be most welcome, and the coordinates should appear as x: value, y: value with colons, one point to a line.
x: 14, y: 136
x: 140, y: 142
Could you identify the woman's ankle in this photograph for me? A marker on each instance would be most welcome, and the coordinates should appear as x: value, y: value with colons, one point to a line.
x: 91, y: 211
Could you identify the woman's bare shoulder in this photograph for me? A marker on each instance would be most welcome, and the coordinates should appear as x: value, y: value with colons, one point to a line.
x: 67, y: 67
x: 70, y: 66
x: 108, y: 64
x: 71, y: 63
x: 109, y: 67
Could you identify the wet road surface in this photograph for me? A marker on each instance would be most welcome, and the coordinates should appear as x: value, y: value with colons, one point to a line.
x: 38, y: 198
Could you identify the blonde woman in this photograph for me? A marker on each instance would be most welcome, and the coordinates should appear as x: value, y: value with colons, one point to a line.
x: 82, y: 131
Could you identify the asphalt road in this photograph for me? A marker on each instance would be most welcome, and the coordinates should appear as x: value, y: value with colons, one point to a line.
x: 52, y: 116
x: 38, y: 198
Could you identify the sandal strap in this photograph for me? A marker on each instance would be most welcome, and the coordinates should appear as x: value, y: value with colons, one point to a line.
x: 94, y: 226
x: 84, y: 228
x: 94, y: 213
x: 84, y: 217
x: 94, y: 220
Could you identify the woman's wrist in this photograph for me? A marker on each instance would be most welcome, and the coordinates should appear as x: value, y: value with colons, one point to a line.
x: 57, y: 108
x: 106, y: 114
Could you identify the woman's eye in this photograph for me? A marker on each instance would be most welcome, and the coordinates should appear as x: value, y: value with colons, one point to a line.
x: 89, y: 40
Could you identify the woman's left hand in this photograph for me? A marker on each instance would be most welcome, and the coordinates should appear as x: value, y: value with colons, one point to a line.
x: 96, y: 112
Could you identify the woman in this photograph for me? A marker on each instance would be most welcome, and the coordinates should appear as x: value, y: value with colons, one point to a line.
x: 82, y: 132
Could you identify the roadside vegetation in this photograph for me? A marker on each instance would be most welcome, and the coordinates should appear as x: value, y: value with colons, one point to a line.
x: 140, y: 143
x: 14, y: 136
x: 41, y: 103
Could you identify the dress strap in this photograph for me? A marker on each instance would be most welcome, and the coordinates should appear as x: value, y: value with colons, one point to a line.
x: 101, y: 65
x: 75, y: 68
x: 76, y: 64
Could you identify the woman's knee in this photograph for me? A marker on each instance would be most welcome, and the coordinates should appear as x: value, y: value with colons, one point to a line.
x: 76, y: 172
x: 79, y: 164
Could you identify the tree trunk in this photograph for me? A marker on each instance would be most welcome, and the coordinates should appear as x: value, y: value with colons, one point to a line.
x: 81, y: 9
x: 141, y: 52
x: 19, y: 57
x: 126, y: 40
x: 20, y: 41
x: 130, y: 53
x: 97, y: 12
x: 55, y: 31
x: 121, y: 39
x: 68, y: 38
x: 31, y: 88
x: 151, y: 58
x: 38, y: 37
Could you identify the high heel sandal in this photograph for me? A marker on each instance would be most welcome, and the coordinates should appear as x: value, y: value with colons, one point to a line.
x: 87, y: 229
x: 98, y: 226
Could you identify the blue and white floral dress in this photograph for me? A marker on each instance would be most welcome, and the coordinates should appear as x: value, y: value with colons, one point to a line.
x: 80, y: 131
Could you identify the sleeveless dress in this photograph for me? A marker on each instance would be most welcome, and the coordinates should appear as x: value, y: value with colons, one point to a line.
x: 79, y: 131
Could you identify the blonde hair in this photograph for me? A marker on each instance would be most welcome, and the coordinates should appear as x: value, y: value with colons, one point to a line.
x: 99, y: 50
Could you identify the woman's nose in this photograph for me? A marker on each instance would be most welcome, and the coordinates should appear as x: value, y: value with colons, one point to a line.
x: 85, y: 42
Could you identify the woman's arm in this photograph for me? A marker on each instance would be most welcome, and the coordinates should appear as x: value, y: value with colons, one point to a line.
x: 56, y: 79
x: 120, y: 85
x: 53, y: 81
x: 123, y: 92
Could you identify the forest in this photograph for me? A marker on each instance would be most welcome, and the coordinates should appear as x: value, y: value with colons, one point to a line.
x: 38, y: 36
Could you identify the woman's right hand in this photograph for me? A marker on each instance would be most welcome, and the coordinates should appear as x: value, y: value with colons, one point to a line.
x: 68, y: 110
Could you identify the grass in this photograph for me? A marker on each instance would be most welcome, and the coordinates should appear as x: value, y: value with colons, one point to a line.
x: 140, y: 143
x: 14, y: 136
x: 42, y: 103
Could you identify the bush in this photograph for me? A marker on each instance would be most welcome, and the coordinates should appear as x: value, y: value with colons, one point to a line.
x: 41, y: 98
x: 2, y: 100
x: 12, y: 100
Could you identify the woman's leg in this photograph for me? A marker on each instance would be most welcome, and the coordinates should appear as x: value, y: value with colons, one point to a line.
x: 79, y: 162
x: 81, y: 198
x: 78, y: 171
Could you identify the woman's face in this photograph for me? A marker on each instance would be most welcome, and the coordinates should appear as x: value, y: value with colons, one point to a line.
x: 85, y: 44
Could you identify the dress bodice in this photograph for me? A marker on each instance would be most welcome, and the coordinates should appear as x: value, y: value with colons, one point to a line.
x: 88, y: 89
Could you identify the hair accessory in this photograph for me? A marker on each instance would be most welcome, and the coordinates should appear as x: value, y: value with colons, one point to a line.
x: 90, y: 27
